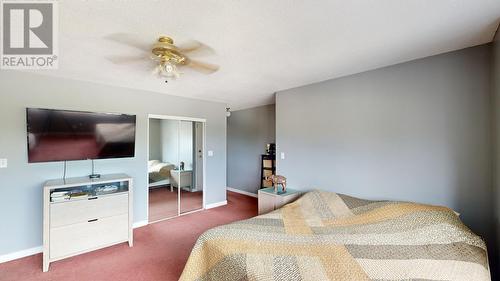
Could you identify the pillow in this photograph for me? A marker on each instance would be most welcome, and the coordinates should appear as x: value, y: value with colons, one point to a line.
x: 151, y: 163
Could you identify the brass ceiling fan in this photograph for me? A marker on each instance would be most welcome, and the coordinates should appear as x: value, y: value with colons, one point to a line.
x: 167, y: 56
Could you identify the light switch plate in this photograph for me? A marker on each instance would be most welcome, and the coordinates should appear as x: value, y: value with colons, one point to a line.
x: 3, y: 163
x: 210, y: 153
x: 282, y: 155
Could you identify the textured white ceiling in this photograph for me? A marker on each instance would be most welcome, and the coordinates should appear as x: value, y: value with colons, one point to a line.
x: 266, y: 46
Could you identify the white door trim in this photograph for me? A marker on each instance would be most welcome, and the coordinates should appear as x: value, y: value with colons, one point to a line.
x: 181, y: 118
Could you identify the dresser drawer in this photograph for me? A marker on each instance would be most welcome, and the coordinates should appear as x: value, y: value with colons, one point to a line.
x: 266, y: 203
x: 79, y: 237
x: 66, y: 213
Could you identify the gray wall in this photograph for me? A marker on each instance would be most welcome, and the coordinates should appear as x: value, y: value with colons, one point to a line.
x: 248, y: 132
x: 21, y: 183
x: 418, y: 131
x: 155, y: 146
x: 496, y: 123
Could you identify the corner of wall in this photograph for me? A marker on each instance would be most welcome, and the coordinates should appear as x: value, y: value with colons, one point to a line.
x: 495, y: 123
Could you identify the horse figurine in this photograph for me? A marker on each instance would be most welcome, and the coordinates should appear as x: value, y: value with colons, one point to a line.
x: 277, y: 180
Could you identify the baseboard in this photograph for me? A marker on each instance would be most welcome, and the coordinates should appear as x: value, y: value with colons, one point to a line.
x: 215, y: 205
x: 242, y: 192
x: 20, y: 254
x: 39, y: 249
x: 139, y: 224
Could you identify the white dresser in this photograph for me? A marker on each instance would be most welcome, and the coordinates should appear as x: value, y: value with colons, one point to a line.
x: 100, y: 216
x: 270, y: 201
x: 182, y: 178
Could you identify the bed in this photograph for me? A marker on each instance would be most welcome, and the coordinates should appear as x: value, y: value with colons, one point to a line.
x: 114, y: 133
x: 329, y: 236
x: 159, y: 173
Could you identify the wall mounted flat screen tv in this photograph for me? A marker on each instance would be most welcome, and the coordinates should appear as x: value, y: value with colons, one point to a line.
x: 63, y: 135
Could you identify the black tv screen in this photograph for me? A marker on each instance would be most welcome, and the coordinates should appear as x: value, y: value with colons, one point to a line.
x: 61, y: 135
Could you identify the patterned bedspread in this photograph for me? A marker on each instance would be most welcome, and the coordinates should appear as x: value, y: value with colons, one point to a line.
x: 329, y: 236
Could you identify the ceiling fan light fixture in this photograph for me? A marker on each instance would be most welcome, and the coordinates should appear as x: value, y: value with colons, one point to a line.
x: 169, y: 57
x: 169, y: 70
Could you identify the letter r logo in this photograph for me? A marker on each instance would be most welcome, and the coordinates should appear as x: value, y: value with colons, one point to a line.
x: 27, y: 28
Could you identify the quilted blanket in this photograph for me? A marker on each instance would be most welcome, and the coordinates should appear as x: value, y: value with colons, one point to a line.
x: 329, y: 236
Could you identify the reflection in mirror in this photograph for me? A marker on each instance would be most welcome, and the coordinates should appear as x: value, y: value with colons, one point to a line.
x: 162, y: 164
x: 191, y: 159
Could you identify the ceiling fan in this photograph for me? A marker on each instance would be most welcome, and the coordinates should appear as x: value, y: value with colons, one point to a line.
x: 167, y: 56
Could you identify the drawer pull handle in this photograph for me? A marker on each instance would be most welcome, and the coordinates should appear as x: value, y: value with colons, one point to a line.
x: 92, y: 198
x: 92, y: 220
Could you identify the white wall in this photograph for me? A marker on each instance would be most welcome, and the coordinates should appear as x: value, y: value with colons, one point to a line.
x: 21, y: 183
x: 418, y: 131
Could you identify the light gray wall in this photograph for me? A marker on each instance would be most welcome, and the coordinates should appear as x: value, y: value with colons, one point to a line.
x: 418, y: 131
x: 170, y: 141
x: 177, y: 142
x: 186, y: 144
x: 21, y: 183
x: 248, y: 132
x: 155, y: 147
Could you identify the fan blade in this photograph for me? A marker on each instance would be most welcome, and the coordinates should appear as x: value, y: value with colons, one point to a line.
x: 129, y: 40
x: 202, y: 66
x: 195, y: 47
x: 127, y: 59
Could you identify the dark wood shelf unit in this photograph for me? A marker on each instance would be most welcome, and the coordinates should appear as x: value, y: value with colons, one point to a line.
x: 267, y: 168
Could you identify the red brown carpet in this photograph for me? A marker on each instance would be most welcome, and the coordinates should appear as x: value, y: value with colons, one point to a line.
x: 160, y: 250
x: 163, y: 203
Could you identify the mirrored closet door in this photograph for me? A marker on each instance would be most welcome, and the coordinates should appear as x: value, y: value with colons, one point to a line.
x: 175, y: 167
x: 191, y: 177
x: 163, y: 161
